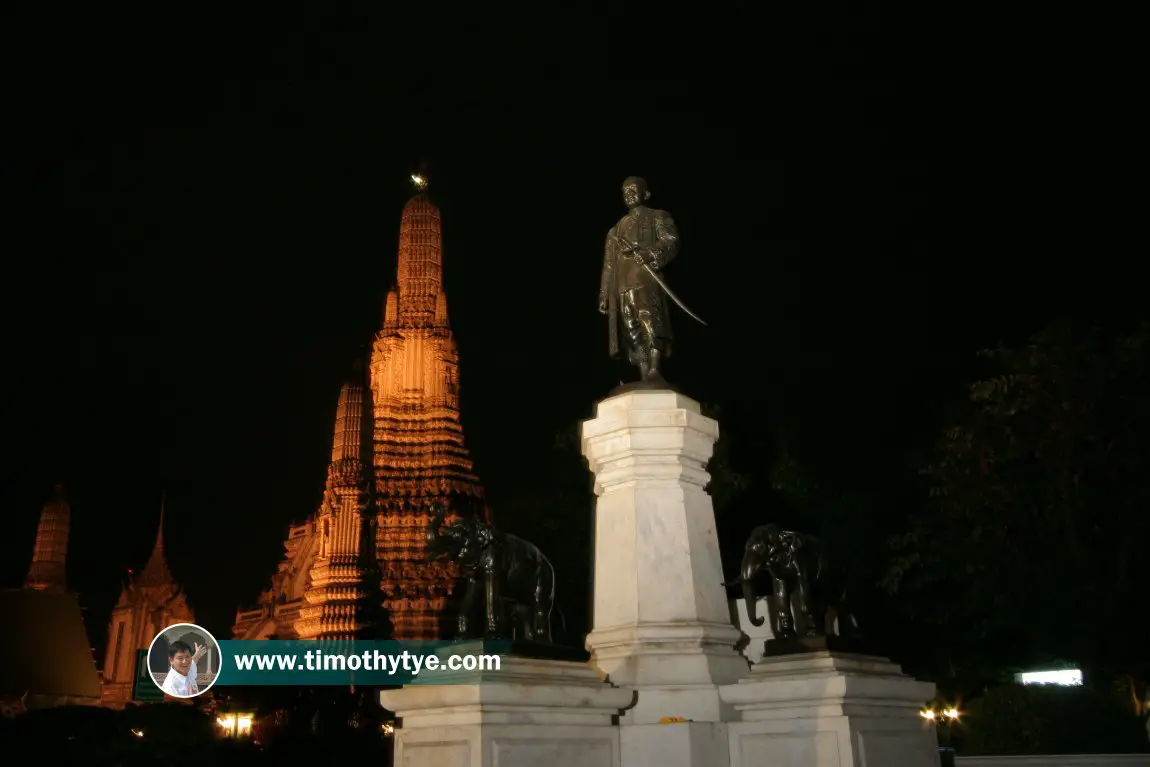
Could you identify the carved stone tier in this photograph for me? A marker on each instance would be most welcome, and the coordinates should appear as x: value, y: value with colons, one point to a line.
x: 529, y: 713
x: 661, y: 621
x: 828, y: 709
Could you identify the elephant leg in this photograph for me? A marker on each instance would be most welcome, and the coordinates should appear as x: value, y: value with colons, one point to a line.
x: 523, y: 615
x: 805, y: 599
x: 848, y: 626
x: 494, y: 604
x: 541, y: 604
x: 782, y: 598
x: 466, y: 605
x: 541, y: 618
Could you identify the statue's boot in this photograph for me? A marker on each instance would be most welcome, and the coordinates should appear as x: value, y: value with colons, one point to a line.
x: 653, y: 359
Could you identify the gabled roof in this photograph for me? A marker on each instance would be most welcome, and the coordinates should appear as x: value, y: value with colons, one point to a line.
x: 44, y: 648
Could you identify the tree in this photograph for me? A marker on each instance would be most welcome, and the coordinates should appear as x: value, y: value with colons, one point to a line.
x: 1037, y: 511
x: 727, y: 484
x: 847, y: 522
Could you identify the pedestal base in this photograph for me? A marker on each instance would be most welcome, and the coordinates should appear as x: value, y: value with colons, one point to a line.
x: 662, y: 625
x: 541, y: 651
x: 529, y: 713
x: 799, y: 645
x: 656, y: 383
x: 517, y: 648
x: 829, y: 709
x: 675, y: 744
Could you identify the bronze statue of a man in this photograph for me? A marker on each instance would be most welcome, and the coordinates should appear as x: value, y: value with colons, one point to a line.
x: 630, y: 293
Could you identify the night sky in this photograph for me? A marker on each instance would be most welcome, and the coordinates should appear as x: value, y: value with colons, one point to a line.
x: 191, y: 278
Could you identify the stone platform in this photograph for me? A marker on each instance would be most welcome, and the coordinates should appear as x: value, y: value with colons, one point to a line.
x: 665, y: 686
x: 528, y: 713
x: 800, y: 645
x: 829, y: 709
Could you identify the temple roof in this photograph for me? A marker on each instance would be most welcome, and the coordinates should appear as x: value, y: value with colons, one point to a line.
x: 156, y: 572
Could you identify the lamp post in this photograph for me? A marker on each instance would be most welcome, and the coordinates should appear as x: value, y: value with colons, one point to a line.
x: 944, y: 719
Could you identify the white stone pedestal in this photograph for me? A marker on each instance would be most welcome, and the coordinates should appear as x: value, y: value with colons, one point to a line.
x: 529, y: 713
x: 828, y: 709
x: 661, y: 620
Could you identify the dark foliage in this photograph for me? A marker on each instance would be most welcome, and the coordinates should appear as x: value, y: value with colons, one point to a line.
x: 1048, y: 719
x: 323, y: 728
x: 1028, y: 549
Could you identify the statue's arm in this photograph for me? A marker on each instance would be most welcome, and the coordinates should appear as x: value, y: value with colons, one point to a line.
x: 667, y: 239
x: 606, y: 278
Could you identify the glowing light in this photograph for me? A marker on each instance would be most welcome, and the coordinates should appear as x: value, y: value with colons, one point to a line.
x: 235, y: 725
x: 927, y: 713
x: 1070, y: 677
x: 951, y: 713
x: 388, y: 728
x: 138, y: 733
x: 419, y: 181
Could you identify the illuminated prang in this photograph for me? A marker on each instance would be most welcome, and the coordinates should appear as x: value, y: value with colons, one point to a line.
x: 418, y: 446
x: 398, y: 447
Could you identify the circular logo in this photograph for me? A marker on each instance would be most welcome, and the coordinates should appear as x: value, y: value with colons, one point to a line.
x: 184, y: 660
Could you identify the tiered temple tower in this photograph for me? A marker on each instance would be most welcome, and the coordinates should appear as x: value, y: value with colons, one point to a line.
x: 412, y: 454
x: 149, y: 603
x: 50, y: 555
x: 338, y: 601
x: 45, y: 655
x: 419, y: 452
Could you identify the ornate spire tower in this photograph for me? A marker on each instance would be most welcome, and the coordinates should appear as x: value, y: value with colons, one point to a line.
x: 337, y: 605
x: 417, y: 440
x: 50, y: 555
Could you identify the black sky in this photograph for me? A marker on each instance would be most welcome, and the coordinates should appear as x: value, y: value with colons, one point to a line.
x: 192, y: 272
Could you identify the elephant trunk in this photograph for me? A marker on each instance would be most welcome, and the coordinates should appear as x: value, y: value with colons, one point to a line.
x: 747, y: 575
x: 750, y: 598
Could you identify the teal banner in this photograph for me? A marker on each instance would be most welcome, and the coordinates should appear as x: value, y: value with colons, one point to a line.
x: 372, y: 663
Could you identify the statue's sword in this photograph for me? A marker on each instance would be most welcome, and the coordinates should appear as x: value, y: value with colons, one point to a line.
x: 629, y: 248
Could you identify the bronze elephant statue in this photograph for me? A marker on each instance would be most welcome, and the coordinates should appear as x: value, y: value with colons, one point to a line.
x: 795, y: 565
x: 514, y: 573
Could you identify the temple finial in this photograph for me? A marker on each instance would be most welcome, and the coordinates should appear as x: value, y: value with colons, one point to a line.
x: 156, y: 571
x: 160, y: 533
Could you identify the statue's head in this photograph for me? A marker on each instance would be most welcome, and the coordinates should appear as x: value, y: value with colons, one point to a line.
x: 635, y: 192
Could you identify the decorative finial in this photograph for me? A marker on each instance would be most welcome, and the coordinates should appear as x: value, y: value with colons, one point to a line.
x: 419, y: 180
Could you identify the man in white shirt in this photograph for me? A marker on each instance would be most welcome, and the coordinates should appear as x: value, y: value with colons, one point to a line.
x: 181, y: 679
